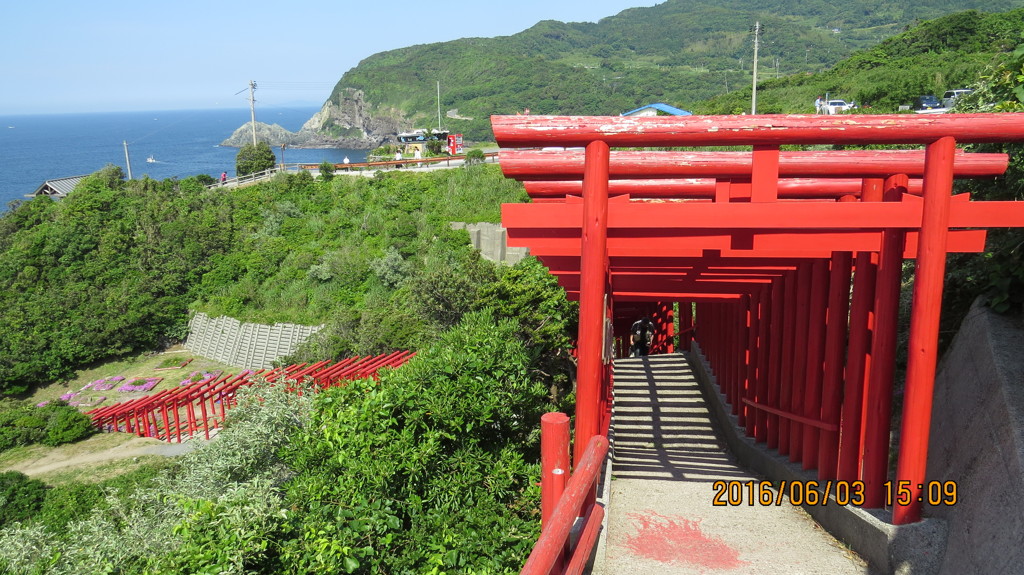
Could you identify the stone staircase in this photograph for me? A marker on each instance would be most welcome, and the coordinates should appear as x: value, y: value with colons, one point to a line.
x: 661, y: 426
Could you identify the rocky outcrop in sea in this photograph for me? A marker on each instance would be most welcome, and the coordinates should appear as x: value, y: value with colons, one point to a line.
x: 344, y: 121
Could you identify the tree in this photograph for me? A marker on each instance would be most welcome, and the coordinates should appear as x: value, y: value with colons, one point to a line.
x: 252, y: 159
x: 326, y: 171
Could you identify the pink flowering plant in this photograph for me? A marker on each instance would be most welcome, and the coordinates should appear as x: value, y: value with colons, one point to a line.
x: 106, y: 384
x: 140, y: 384
x: 196, y: 376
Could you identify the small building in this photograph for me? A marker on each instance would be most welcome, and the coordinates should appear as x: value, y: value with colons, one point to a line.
x: 416, y: 140
x: 658, y: 109
x: 57, y: 188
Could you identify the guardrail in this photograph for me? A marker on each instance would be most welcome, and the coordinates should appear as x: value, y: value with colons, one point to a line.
x: 562, y: 502
x: 382, y: 165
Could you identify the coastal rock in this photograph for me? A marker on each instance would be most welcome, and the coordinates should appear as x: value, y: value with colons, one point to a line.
x: 344, y: 121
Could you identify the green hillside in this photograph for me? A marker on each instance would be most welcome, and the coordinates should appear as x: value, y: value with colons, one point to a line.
x: 678, y: 52
x: 950, y: 52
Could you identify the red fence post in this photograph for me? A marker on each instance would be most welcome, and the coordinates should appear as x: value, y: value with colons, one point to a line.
x: 554, y: 464
x: 924, y: 329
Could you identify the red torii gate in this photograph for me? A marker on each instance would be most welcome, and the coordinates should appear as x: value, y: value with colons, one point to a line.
x: 766, y: 240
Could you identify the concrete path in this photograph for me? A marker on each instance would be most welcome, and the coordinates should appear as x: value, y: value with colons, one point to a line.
x: 667, y: 460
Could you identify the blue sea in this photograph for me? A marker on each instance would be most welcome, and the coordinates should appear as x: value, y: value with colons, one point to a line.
x: 182, y: 143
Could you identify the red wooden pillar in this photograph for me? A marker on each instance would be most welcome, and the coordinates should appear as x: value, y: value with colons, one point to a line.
x: 786, y: 370
x: 761, y: 371
x: 878, y: 398
x: 737, y: 314
x: 924, y: 328
x: 858, y: 362
x: 835, y: 347
x: 593, y: 275
x: 815, y: 361
x: 777, y: 342
x: 741, y: 319
x: 685, y: 325
x: 670, y: 327
x: 750, y: 392
x: 799, y: 352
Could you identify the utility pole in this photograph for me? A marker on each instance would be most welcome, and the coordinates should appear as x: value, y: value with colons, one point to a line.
x: 753, y: 92
x: 127, y: 160
x: 252, y: 108
x: 438, y: 105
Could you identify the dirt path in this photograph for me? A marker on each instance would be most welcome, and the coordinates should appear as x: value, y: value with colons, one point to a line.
x: 97, y: 450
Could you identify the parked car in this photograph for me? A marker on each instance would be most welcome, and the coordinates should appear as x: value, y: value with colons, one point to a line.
x: 837, y: 106
x: 927, y: 102
x: 949, y: 98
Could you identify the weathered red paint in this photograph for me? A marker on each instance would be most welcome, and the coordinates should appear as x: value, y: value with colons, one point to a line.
x: 628, y: 131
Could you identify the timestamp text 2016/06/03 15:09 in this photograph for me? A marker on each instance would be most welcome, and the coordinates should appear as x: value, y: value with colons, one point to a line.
x: 735, y: 493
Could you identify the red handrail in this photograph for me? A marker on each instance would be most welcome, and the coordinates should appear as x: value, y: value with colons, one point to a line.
x: 551, y: 544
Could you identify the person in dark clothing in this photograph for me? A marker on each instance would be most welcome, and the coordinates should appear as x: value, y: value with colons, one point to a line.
x: 640, y: 337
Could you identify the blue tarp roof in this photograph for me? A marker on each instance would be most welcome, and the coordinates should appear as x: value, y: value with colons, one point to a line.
x: 670, y: 110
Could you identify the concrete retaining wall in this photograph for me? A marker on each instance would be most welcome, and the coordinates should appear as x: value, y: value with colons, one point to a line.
x: 492, y: 241
x: 246, y: 345
x: 977, y: 440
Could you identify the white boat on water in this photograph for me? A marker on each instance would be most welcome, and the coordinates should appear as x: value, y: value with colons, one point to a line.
x: 151, y: 160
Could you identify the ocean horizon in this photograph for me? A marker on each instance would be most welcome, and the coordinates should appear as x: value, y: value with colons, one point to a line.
x: 165, y: 144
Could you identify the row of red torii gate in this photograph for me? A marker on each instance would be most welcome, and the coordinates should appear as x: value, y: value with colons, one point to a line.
x: 792, y: 261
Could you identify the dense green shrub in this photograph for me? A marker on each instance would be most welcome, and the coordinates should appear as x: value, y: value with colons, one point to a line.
x: 65, y: 424
x: 20, y: 497
x: 55, y: 423
x: 326, y: 171
x: 66, y: 503
x: 428, y: 468
x: 475, y: 156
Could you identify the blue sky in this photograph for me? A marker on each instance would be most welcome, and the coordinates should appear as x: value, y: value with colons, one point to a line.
x: 67, y: 56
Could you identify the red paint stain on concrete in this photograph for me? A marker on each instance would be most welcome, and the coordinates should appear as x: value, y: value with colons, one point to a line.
x: 669, y: 540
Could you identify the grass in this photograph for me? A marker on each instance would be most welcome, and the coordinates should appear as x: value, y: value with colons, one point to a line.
x: 106, y: 455
x: 97, y: 458
x: 140, y: 366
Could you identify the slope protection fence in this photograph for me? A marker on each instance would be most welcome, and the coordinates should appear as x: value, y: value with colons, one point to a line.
x: 248, y: 345
x: 178, y: 414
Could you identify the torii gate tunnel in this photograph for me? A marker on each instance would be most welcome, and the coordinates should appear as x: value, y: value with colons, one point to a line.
x: 792, y: 261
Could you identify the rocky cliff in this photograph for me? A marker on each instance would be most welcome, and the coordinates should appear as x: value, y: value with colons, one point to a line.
x: 344, y: 122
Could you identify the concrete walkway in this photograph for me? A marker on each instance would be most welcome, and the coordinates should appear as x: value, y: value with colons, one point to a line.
x: 661, y: 516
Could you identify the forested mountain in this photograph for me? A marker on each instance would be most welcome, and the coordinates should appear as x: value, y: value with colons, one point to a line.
x: 680, y: 52
x: 954, y: 51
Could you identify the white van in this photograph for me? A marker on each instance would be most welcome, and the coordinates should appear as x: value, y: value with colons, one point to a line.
x: 950, y: 96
